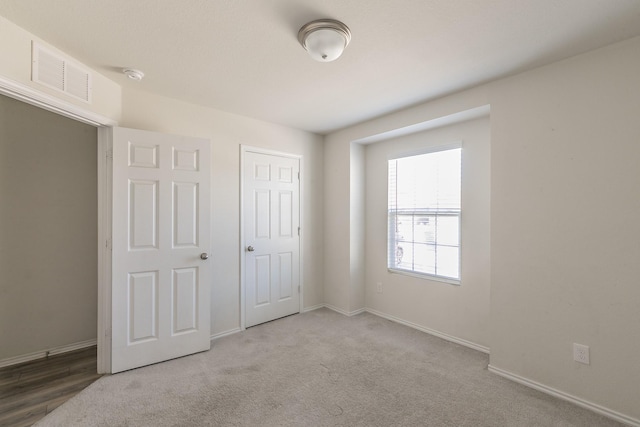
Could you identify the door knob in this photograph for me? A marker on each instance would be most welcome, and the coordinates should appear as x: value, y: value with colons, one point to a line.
x: 250, y: 249
x: 204, y: 255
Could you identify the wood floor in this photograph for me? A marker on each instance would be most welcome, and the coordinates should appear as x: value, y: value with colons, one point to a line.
x: 31, y: 390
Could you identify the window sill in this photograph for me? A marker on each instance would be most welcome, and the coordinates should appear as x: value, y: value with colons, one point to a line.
x: 425, y: 276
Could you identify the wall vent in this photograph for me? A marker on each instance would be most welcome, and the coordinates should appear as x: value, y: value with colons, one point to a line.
x: 57, y: 72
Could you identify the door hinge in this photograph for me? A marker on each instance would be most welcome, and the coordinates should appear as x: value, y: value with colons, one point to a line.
x: 109, y: 153
x: 298, y: 288
x: 298, y: 176
x: 107, y: 333
x: 298, y: 231
x: 108, y: 244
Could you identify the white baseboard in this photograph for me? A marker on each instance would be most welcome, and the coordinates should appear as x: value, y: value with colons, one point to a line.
x: 566, y: 396
x: 313, y: 307
x: 48, y: 352
x: 225, y: 333
x: 513, y: 377
x: 344, y: 312
x: 429, y: 331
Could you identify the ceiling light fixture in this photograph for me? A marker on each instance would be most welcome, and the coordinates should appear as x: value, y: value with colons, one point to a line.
x: 324, y: 39
x: 133, y: 74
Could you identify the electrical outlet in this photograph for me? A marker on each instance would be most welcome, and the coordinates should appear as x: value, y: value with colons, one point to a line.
x: 379, y: 287
x: 581, y: 353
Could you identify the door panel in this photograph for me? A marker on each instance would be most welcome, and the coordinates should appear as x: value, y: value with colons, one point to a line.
x: 143, y: 314
x: 185, y: 214
x: 285, y: 270
x: 262, y: 214
x: 263, y: 280
x: 161, y: 222
x: 185, y: 297
x: 143, y: 214
x: 271, y: 193
x: 285, y: 212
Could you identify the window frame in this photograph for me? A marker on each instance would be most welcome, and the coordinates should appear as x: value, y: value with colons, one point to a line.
x: 412, y: 273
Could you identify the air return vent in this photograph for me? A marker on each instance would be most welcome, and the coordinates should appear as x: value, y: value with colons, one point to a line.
x: 55, y: 71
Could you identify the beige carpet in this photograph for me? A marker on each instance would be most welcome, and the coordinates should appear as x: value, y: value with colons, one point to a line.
x: 320, y: 369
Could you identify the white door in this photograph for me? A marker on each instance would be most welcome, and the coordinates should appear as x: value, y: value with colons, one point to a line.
x: 160, y: 275
x: 271, y: 205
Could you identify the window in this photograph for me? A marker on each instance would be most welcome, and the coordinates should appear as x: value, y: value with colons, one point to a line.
x: 424, y: 214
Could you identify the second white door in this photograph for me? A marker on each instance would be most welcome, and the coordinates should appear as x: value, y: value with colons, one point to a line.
x: 161, y: 276
x: 271, y: 203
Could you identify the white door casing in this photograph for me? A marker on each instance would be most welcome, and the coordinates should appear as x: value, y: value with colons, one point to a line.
x: 271, y: 221
x: 161, y: 226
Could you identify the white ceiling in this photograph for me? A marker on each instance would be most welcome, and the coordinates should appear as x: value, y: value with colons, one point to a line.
x: 242, y: 56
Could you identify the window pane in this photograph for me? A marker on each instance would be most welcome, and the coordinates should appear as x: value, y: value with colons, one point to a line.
x: 397, y: 257
x: 429, y: 228
x: 404, y: 228
x: 448, y: 262
x: 429, y: 180
x: 392, y: 240
x: 448, y: 230
x: 404, y: 256
x: 416, y: 228
x: 424, y: 259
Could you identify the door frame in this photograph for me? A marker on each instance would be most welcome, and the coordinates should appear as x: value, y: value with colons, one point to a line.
x: 243, y: 150
x: 22, y: 92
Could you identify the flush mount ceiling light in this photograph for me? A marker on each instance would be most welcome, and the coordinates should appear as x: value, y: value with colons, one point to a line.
x: 133, y: 74
x: 324, y: 39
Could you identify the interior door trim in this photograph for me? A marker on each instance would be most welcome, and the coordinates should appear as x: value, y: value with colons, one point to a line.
x: 245, y: 149
x: 24, y: 93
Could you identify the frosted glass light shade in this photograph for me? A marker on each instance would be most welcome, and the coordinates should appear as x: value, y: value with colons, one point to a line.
x: 324, y: 39
x: 325, y: 45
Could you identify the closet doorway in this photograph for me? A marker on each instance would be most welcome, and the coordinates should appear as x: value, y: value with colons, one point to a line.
x: 48, y: 234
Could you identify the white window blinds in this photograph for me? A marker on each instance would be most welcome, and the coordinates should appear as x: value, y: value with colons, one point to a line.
x: 424, y: 213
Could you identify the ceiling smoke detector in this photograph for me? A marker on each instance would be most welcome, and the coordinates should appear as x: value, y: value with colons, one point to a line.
x: 133, y: 74
x: 324, y: 39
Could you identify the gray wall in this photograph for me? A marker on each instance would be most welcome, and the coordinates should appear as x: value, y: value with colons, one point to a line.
x: 564, y: 227
x: 48, y: 230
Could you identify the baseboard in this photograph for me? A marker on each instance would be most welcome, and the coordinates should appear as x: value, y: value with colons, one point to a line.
x: 344, y: 312
x: 566, y: 396
x: 48, y: 352
x: 429, y: 331
x: 313, y: 307
x: 433, y: 332
x: 225, y: 333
